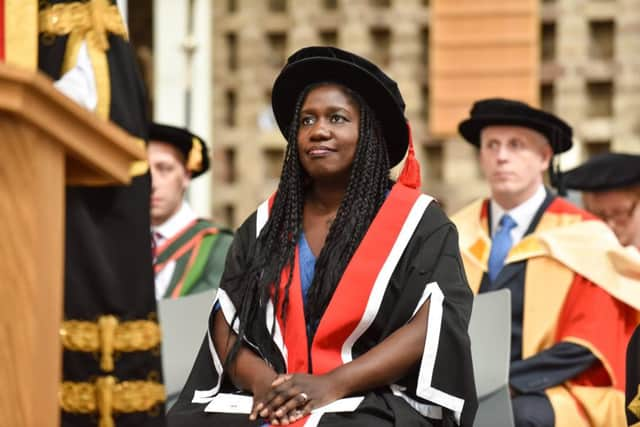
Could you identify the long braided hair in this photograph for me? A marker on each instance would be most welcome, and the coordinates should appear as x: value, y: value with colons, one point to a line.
x: 274, y: 251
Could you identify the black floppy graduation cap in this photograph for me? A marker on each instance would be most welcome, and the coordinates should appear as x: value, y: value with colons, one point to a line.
x: 191, y: 146
x: 499, y: 111
x: 608, y: 171
x: 317, y: 64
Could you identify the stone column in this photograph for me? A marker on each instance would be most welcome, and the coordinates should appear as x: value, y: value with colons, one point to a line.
x: 626, y: 102
x: 572, y: 35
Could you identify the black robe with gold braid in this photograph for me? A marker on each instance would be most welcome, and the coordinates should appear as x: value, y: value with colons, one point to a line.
x: 110, y: 334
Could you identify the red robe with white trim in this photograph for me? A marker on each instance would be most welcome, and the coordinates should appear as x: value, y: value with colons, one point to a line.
x: 408, y: 255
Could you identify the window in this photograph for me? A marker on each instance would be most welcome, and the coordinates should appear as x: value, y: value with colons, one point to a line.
x: 277, y: 48
x: 424, y: 46
x: 600, y: 99
x: 278, y: 5
x: 547, y: 97
x: 229, y: 165
x: 597, y: 147
x: 232, y: 51
x: 380, y: 3
x: 548, y: 41
x: 434, y: 159
x: 601, y: 40
x: 424, y: 102
x: 273, y: 159
x: 329, y: 38
x: 381, y: 39
x: 231, y: 106
x: 330, y: 4
x: 230, y: 215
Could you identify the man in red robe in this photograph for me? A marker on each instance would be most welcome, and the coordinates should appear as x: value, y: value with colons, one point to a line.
x: 559, y: 263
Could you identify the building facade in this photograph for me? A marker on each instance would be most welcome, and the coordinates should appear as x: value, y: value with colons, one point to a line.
x: 589, y: 68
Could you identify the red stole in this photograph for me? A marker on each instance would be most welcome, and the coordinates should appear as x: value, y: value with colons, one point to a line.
x: 349, y: 301
x: 1, y: 30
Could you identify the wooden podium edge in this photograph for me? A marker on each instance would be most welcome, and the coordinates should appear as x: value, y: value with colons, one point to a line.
x: 97, y: 145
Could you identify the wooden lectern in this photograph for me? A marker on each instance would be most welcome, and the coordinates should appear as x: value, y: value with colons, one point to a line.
x: 46, y: 142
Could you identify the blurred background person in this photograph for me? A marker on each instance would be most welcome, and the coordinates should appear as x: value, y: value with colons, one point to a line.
x: 610, y: 186
x: 84, y: 47
x: 189, y: 252
x: 517, y: 239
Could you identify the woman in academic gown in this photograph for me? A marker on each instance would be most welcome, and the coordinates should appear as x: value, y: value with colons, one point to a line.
x: 344, y: 288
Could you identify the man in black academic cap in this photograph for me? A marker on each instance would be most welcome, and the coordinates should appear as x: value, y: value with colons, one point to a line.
x: 610, y: 185
x: 563, y: 370
x: 189, y: 251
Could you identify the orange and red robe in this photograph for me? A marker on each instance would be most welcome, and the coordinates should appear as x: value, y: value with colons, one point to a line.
x: 409, y: 255
x: 561, y: 305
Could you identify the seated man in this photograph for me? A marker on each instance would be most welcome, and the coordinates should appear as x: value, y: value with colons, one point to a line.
x: 189, y: 252
x: 610, y: 185
x: 564, y: 370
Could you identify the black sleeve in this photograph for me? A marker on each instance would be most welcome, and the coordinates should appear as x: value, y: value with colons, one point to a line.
x: 550, y: 367
x: 435, y: 267
x: 633, y: 377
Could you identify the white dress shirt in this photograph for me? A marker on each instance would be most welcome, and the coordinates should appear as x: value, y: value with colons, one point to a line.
x: 164, y: 232
x: 522, y: 214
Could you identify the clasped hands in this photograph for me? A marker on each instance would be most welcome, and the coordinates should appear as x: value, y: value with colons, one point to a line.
x: 290, y: 397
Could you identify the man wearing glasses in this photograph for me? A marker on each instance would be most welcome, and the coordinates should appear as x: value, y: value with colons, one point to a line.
x: 610, y: 185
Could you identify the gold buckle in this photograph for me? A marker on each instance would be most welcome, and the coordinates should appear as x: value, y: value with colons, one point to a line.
x: 106, y: 396
x: 108, y: 335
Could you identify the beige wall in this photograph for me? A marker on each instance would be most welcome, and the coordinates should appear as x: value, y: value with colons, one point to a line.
x: 588, y: 74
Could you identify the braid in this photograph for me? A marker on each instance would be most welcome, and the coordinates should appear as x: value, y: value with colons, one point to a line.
x: 367, y: 189
x: 275, y: 247
x: 274, y: 251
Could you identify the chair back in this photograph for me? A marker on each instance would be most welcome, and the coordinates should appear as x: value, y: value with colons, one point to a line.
x: 184, y: 323
x: 490, y: 333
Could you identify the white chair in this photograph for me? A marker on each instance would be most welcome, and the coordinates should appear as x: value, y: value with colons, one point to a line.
x: 184, y: 324
x: 490, y: 333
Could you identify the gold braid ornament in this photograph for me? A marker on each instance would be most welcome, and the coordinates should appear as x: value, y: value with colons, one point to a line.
x: 106, y: 397
x: 108, y: 336
x: 91, y: 21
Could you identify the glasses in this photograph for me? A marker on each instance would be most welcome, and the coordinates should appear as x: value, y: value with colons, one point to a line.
x: 619, y: 216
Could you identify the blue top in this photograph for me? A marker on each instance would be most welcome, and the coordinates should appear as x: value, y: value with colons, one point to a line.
x: 307, y: 262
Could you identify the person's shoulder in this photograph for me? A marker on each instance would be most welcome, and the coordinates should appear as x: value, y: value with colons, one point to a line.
x: 248, y: 228
x: 220, y: 229
x: 561, y: 206
x: 468, y: 218
x: 434, y: 216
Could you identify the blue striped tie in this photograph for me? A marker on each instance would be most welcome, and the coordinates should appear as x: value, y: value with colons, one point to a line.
x: 500, y: 246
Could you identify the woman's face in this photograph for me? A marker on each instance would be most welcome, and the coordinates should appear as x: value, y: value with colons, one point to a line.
x: 328, y: 133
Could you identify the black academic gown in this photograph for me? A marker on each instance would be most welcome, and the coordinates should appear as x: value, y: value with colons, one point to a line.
x: 633, y: 378
x: 107, y: 243
x: 430, y: 257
